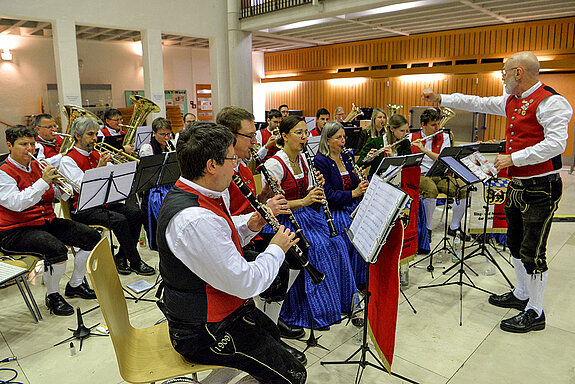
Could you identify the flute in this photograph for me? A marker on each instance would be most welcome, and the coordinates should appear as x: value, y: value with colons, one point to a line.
x: 324, y: 205
x: 305, y: 244
x: 295, y: 251
x: 369, y: 158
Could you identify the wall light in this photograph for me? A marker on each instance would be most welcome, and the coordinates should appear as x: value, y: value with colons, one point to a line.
x: 347, y: 81
x: 6, y: 55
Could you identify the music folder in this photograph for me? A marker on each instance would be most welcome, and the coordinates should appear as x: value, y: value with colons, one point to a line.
x: 405, y: 161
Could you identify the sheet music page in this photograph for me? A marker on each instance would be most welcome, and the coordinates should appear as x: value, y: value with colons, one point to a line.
x: 95, y: 180
x: 375, y: 213
x: 143, y: 136
x: 123, y: 178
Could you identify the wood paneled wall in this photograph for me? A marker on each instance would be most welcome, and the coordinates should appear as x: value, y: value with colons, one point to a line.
x: 315, y: 66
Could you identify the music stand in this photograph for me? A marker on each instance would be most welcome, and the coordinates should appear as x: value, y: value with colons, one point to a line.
x: 453, y: 165
x: 143, y: 136
x: 114, y: 141
x: 387, y: 201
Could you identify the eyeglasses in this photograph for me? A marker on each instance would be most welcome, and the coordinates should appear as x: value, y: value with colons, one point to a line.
x: 301, y: 133
x: 164, y: 134
x: 505, y: 71
x: 48, y: 126
x: 234, y: 158
x: 251, y: 137
x: 116, y: 120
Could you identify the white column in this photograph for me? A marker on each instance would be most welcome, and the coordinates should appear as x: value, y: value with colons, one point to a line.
x: 240, y: 59
x: 219, y: 74
x: 153, y: 62
x: 66, y: 56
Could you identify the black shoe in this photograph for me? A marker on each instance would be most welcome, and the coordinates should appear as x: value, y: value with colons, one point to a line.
x: 83, y: 290
x: 508, y: 300
x: 58, y: 306
x: 122, y: 266
x: 454, y: 232
x: 142, y: 268
x: 290, y: 332
x: 421, y: 251
x: 299, y: 356
x: 526, y: 321
x: 429, y: 232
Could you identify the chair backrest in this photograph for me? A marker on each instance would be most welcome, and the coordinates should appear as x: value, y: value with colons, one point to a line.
x: 106, y: 283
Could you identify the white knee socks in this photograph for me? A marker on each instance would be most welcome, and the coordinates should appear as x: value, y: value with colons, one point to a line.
x: 458, y: 213
x: 429, y: 206
x: 537, y: 284
x: 79, y: 268
x: 522, y: 283
x: 53, y: 276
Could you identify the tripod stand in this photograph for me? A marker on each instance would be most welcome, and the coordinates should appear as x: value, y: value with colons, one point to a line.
x: 482, y: 250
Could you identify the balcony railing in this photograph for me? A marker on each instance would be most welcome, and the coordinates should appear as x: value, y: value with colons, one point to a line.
x: 261, y: 7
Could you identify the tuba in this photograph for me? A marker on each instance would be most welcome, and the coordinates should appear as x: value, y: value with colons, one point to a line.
x: 393, y: 108
x: 72, y: 112
x: 446, y: 114
x: 142, y: 108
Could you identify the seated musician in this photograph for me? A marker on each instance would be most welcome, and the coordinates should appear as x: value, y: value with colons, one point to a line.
x: 28, y: 223
x: 342, y: 187
x: 310, y: 305
x: 112, y: 127
x: 396, y: 130
x: 124, y: 220
x: 47, y: 142
x: 321, y: 117
x: 267, y: 137
x: 208, y: 284
x: 339, y: 114
x: 430, y: 187
x: 241, y: 123
x: 284, y: 110
x: 376, y: 128
x: 152, y: 200
x: 189, y: 118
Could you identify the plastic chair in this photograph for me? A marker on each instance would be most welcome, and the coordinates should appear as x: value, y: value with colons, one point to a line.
x: 144, y: 355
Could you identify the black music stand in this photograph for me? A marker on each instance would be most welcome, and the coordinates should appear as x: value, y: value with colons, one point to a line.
x: 114, y: 141
x: 440, y: 168
x: 371, y: 258
x: 453, y: 165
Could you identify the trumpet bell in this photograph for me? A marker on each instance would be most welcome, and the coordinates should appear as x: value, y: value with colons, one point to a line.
x: 142, y: 108
x: 72, y: 112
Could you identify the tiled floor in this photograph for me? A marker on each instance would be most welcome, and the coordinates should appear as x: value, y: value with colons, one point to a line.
x: 431, y: 346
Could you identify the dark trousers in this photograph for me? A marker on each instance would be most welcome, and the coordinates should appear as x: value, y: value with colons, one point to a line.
x: 124, y: 220
x: 49, y: 241
x: 246, y: 340
x: 529, y: 209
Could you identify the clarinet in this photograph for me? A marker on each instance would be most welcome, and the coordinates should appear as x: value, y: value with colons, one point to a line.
x: 295, y: 251
x: 356, y: 168
x: 304, y: 243
x: 324, y: 205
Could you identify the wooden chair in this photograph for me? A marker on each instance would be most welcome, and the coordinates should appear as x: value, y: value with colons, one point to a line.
x: 144, y: 355
x: 28, y: 262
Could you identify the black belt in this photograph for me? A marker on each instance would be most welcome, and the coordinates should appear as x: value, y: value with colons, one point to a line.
x: 536, y: 180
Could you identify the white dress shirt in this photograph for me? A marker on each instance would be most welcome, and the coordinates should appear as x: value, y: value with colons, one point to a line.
x: 263, y: 151
x: 146, y: 150
x: 202, y: 240
x: 70, y: 169
x: 553, y: 113
x: 54, y: 160
x: 427, y: 162
x: 14, y: 199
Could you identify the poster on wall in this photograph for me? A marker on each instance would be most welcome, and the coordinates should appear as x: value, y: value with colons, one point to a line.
x: 204, y: 97
x: 178, y: 98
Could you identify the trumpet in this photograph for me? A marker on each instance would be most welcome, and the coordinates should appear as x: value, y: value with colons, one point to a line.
x: 117, y: 156
x: 66, y: 186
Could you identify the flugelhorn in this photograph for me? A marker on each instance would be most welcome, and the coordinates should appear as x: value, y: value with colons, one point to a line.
x: 117, y: 156
x: 393, y: 108
x: 354, y: 113
x: 142, y: 108
x: 67, y: 186
x: 72, y: 112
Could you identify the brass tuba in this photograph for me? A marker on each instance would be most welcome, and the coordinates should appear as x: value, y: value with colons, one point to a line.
x: 72, y: 112
x: 142, y: 108
x: 393, y: 108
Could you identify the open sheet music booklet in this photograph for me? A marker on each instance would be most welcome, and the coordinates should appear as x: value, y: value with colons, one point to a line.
x: 375, y: 217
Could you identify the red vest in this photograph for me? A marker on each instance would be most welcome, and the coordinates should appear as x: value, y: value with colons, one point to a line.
x: 435, y: 147
x: 294, y: 188
x: 84, y: 163
x: 220, y: 304
x: 315, y: 132
x: 523, y: 130
x: 266, y: 134
x: 106, y: 132
x: 35, y: 215
x: 239, y: 205
x: 50, y: 148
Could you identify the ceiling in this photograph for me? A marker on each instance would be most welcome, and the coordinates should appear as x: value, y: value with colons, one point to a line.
x: 420, y: 16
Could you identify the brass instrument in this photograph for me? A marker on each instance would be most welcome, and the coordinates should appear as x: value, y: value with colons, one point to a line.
x: 315, y: 183
x: 66, y: 186
x: 354, y: 113
x: 142, y: 108
x: 393, y: 108
x: 295, y: 251
x: 72, y: 112
x: 118, y: 156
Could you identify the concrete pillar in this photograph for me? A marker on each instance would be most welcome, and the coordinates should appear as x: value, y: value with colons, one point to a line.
x: 66, y: 56
x: 240, y: 59
x: 153, y: 62
x: 219, y: 74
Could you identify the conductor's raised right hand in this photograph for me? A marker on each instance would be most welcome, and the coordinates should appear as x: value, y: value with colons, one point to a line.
x: 284, y: 238
x: 430, y: 96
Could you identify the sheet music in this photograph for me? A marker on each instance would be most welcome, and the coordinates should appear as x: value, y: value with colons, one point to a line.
x: 143, y: 136
x: 375, y: 215
x: 9, y: 271
x: 93, y: 189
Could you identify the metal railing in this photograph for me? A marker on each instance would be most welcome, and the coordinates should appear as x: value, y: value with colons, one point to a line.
x: 260, y: 7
